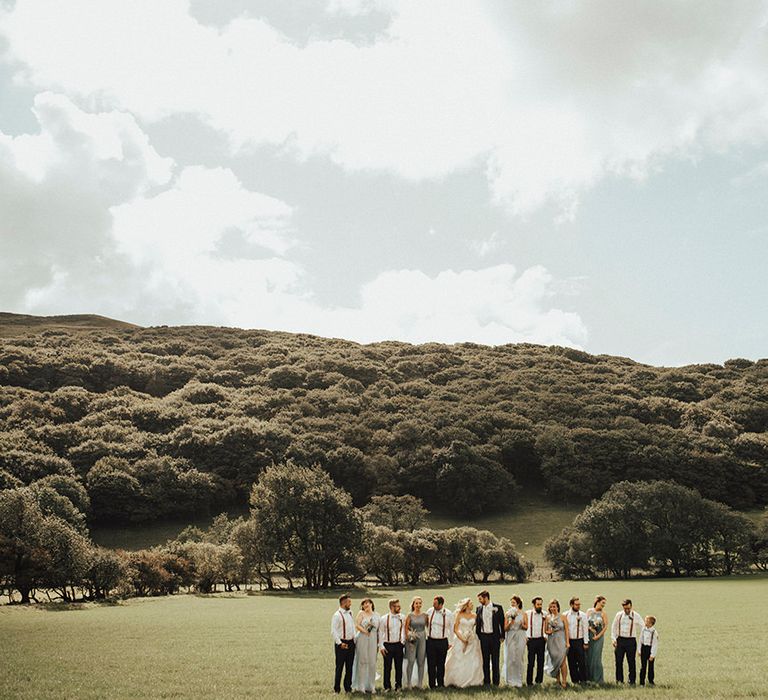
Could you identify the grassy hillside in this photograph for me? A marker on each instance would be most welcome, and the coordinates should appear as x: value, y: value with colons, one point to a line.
x: 528, y: 524
x: 172, y: 421
x: 278, y: 647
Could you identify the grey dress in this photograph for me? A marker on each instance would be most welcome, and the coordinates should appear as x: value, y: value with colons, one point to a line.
x: 366, y: 655
x: 514, y: 646
x: 595, y: 650
x: 416, y: 650
x: 556, y: 649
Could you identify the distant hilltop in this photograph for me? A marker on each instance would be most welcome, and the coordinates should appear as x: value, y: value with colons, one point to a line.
x: 12, y: 324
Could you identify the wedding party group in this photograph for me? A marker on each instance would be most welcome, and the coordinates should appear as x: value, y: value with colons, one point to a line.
x: 462, y: 648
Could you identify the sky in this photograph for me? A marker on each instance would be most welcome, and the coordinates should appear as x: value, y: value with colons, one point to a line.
x: 583, y: 173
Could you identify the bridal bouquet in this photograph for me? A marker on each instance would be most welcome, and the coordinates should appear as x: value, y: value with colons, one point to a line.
x: 412, y: 636
x: 370, y: 627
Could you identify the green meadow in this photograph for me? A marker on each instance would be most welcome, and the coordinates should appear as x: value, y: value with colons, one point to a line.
x: 712, y: 643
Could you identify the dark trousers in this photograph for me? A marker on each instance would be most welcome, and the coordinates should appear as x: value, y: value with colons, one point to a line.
x: 536, y: 648
x: 437, y: 650
x: 577, y: 661
x: 626, y: 646
x: 344, y: 660
x: 646, y: 664
x: 394, y: 656
x: 490, y: 646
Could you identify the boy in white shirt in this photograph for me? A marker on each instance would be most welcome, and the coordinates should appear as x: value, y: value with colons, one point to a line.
x: 649, y: 644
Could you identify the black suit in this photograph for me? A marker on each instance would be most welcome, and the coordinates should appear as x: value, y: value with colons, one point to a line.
x: 490, y: 642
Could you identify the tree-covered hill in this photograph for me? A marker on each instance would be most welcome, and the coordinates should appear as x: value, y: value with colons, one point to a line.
x: 153, y: 422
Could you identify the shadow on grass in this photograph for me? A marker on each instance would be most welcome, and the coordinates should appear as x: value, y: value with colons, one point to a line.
x: 536, y: 691
x: 358, y: 589
x: 66, y: 606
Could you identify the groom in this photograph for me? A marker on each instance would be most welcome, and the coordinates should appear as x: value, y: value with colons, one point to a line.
x: 490, y: 630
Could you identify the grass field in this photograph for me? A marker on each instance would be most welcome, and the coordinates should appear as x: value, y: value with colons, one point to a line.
x: 713, y: 643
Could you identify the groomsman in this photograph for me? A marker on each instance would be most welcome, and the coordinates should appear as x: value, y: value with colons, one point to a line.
x: 490, y: 630
x: 536, y: 641
x: 343, y: 634
x: 392, y: 636
x: 578, y: 631
x: 624, y: 630
x: 439, y: 631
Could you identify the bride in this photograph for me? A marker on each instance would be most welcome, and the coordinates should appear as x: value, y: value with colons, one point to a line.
x: 464, y: 663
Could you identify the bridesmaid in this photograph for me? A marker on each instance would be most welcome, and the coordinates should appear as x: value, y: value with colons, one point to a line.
x: 415, y: 643
x: 598, y: 624
x: 366, y: 648
x: 558, y: 642
x: 515, y: 626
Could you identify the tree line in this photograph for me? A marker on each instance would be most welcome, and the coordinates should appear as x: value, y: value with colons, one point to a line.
x: 164, y: 422
x: 303, y: 530
x: 657, y: 528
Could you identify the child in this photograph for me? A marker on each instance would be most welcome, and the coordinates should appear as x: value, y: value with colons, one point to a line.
x: 649, y: 644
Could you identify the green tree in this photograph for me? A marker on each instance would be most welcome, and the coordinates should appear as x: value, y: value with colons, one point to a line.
x: 313, y: 521
x: 469, y: 484
x: 115, y: 493
x: 616, y: 532
x: 396, y: 512
x: 38, y: 549
x: 105, y: 571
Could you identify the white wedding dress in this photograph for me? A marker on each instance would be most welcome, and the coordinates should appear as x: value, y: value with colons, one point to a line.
x: 464, y: 665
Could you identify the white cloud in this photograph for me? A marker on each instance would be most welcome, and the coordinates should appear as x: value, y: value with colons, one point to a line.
x: 189, y: 218
x: 91, y: 145
x: 56, y: 187
x: 92, y: 219
x: 552, y: 96
x: 486, y: 246
x: 492, y: 305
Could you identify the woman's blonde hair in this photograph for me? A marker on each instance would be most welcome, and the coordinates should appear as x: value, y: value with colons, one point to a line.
x: 413, y: 602
x: 463, y: 603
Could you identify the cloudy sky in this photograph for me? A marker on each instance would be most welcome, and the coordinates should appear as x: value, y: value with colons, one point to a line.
x: 592, y: 174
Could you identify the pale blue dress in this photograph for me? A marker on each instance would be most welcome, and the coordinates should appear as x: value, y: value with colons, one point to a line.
x: 514, y: 647
x: 366, y: 655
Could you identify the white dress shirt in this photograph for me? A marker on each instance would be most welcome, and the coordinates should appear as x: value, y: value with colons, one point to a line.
x: 650, y: 637
x: 535, y: 625
x: 342, y: 626
x: 578, y: 625
x: 626, y: 625
x: 439, y: 623
x: 391, y: 629
x: 487, y: 627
